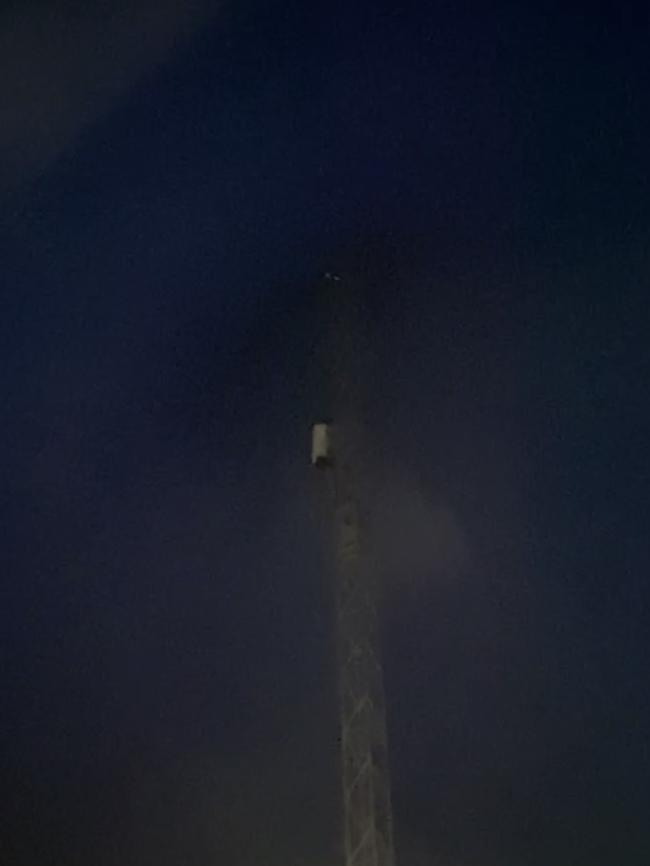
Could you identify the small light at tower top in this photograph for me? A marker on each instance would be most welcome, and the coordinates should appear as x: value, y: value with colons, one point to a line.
x: 321, y: 445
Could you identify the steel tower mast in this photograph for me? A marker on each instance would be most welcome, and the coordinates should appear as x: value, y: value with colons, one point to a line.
x: 337, y: 450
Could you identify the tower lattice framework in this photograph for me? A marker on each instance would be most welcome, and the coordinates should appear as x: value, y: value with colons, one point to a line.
x: 367, y: 813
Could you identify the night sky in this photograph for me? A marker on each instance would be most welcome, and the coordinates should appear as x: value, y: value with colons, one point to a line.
x: 174, y: 177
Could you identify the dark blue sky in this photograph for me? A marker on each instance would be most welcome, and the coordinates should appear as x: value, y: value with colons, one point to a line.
x: 174, y: 178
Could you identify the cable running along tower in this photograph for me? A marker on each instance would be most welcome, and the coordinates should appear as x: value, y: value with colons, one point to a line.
x: 337, y: 449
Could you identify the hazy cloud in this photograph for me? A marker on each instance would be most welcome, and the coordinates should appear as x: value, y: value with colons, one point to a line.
x: 415, y: 538
x: 65, y: 64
